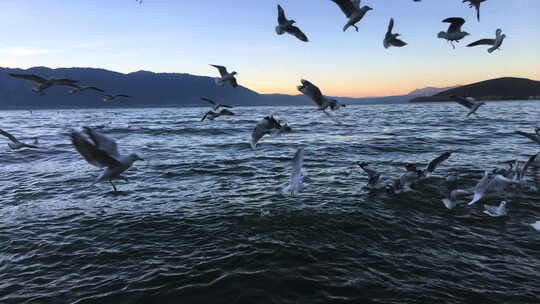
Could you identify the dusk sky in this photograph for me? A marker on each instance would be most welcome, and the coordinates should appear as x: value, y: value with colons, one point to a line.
x: 185, y: 36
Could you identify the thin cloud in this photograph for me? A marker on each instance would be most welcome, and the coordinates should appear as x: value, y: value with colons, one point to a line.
x: 25, y: 51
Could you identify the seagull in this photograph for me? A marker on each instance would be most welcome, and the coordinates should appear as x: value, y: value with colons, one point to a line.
x: 468, y: 102
x: 532, y: 136
x: 496, y: 211
x: 312, y: 91
x: 495, y: 43
x: 391, y: 39
x: 211, y: 115
x: 109, y: 97
x: 15, y: 144
x: 536, y: 225
x: 225, y: 76
x: 44, y: 83
x: 413, y: 174
x: 454, y: 32
x: 353, y: 11
x: 286, y: 26
x: 76, y: 89
x: 428, y: 172
x: 215, y: 105
x: 102, y: 151
x: 451, y: 201
x: 486, y: 184
x: 521, y: 171
x: 476, y: 5
x: 264, y: 127
x: 296, y: 186
x: 374, y: 177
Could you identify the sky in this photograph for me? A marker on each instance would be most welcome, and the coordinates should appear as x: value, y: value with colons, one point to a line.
x: 185, y: 36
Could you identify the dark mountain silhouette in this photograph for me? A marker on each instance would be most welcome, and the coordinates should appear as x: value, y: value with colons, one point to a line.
x: 507, y: 88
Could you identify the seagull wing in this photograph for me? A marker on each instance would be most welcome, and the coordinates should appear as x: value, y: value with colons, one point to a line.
x: 94, y: 89
x: 480, y: 188
x: 294, y: 30
x: 209, y: 101
x: 530, y: 136
x: 234, y: 83
x: 91, y: 153
x: 281, y: 15
x: 346, y: 6
x: 225, y: 106
x: 397, y: 42
x: 226, y: 112
x: 297, y: 174
x: 9, y: 136
x: 463, y: 101
x: 523, y: 171
x: 373, y: 176
x: 482, y: 42
x: 122, y: 95
x: 390, y: 26
x: 64, y: 81
x: 436, y: 162
x: 103, y: 143
x: 222, y: 70
x: 206, y: 115
x: 312, y: 91
x: 261, y: 129
x: 31, y: 77
x: 455, y: 24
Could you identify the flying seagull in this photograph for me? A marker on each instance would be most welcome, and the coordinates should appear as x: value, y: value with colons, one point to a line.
x: 414, y: 175
x: 44, y: 83
x: 15, y: 144
x: 214, y: 104
x: 211, y: 115
x: 225, y: 76
x: 353, y: 11
x: 391, y: 39
x: 476, y: 5
x: 468, y: 102
x: 430, y: 168
x: 532, y: 136
x: 454, y: 32
x: 374, y: 177
x: 264, y: 127
x: 487, y: 184
x: 451, y: 201
x: 496, y: 211
x: 495, y: 43
x: 312, y: 91
x: 76, y: 89
x: 286, y: 26
x: 297, y: 175
x: 102, y: 151
x: 110, y: 97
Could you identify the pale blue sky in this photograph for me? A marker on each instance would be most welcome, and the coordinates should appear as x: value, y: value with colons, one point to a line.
x: 187, y: 35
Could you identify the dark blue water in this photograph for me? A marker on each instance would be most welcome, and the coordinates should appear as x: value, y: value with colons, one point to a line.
x: 200, y: 220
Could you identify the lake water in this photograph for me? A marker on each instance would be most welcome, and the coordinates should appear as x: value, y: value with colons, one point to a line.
x: 200, y: 220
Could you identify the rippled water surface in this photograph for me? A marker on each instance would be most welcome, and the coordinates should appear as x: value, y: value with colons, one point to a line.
x: 200, y: 220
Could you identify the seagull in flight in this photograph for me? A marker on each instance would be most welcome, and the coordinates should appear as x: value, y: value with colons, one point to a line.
x: 225, y: 76
x: 494, y: 43
x: 286, y: 26
x: 454, y: 32
x: 102, y: 152
x: 297, y: 175
x: 414, y: 175
x: 391, y: 39
x: 110, y: 97
x: 496, y: 211
x: 468, y: 102
x: 43, y: 83
x: 374, y: 177
x: 532, y: 136
x: 214, y: 104
x: 451, y: 201
x: 353, y: 11
x: 211, y: 115
x: 312, y: 91
x: 15, y: 144
x: 489, y: 184
x: 476, y: 5
x: 266, y: 126
x: 76, y: 89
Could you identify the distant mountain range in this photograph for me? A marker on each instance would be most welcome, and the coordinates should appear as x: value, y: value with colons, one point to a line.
x: 507, y: 88
x: 153, y: 89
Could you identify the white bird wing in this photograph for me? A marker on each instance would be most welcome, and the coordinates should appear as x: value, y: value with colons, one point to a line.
x: 312, y: 91
x: 103, y: 143
x: 261, y: 129
x: 480, y: 188
x: 222, y: 70
x: 295, y: 185
x: 523, y: 171
x: 90, y: 152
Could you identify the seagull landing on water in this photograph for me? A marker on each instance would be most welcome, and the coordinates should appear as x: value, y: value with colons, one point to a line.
x: 225, y: 76
x: 312, y: 91
x: 391, y: 39
x: 110, y: 97
x: 468, y: 102
x: 214, y: 104
x: 76, y: 89
x: 476, y: 5
x: 44, y: 83
x: 495, y: 43
x: 102, y: 152
x: 454, y: 32
x: 353, y: 11
x: 266, y: 126
x: 211, y: 115
x: 297, y: 175
x: 496, y: 211
x: 532, y: 136
x: 15, y: 144
x: 286, y: 26
x: 374, y: 177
